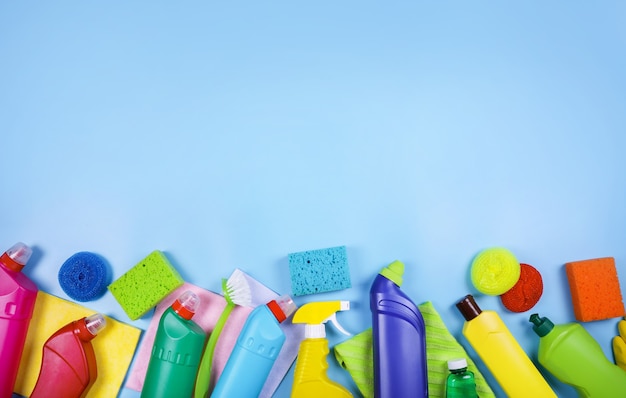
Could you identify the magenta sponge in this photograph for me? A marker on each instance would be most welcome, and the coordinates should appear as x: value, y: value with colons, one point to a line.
x: 145, y: 285
x: 318, y: 271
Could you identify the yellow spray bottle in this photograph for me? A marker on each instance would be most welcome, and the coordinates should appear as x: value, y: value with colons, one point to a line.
x: 311, y: 378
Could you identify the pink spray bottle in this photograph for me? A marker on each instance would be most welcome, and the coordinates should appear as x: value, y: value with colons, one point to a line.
x: 17, y: 301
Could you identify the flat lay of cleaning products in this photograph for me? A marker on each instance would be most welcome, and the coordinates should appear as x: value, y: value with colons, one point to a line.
x: 69, y: 366
x: 397, y: 324
x: 255, y: 352
x: 391, y: 360
x: 17, y: 301
x: 311, y: 378
x: 176, y: 351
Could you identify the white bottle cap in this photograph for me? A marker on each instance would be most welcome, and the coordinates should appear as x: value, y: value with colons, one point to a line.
x: 456, y: 364
x: 95, y: 323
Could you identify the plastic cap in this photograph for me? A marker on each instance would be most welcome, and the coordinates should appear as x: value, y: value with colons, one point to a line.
x: 394, y: 272
x: 16, y: 257
x: 468, y: 307
x: 541, y: 326
x: 314, y: 331
x: 456, y: 364
x: 186, y: 305
x: 282, y: 307
x: 88, y: 327
x: 95, y: 323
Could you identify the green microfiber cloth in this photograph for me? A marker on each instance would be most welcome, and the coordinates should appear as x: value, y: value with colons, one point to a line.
x: 357, y: 357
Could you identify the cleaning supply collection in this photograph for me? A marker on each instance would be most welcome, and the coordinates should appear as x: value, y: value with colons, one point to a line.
x: 407, y: 352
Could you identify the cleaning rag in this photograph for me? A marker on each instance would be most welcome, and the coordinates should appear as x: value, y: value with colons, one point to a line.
x: 114, y: 346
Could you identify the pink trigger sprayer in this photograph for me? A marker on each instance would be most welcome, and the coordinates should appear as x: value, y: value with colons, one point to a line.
x: 17, y: 302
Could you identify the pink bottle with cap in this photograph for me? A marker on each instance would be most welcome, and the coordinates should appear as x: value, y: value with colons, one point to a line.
x: 17, y: 301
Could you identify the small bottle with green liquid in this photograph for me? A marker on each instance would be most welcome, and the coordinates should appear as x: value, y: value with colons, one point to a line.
x: 460, y: 382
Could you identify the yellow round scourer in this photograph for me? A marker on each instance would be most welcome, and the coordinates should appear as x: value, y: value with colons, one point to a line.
x: 495, y: 271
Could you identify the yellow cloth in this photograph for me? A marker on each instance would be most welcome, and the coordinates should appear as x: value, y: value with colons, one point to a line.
x: 114, y: 345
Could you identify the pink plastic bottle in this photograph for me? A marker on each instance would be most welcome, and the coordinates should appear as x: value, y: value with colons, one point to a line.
x: 17, y: 301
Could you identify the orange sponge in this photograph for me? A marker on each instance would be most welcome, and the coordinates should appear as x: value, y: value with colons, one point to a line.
x: 595, y: 289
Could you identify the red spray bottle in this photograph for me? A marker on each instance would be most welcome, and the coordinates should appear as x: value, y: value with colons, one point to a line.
x: 17, y: 302
x: 68, y: 366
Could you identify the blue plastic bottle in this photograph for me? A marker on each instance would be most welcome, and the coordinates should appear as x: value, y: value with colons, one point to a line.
x: 255, y: 351
x: 398, y: 338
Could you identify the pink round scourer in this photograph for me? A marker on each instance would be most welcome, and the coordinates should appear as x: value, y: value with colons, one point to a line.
x: 526, y: 292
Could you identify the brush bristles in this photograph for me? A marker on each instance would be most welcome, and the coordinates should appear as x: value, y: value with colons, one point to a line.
x: 237, y: 289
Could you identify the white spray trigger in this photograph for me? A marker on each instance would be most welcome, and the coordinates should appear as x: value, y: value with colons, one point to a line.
x: 333, y: 319
x: 344, y: 305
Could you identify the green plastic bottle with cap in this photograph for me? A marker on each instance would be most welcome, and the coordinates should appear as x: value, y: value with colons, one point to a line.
x: 176, y: 351
x: 574, y: 357
x: 460, y: 382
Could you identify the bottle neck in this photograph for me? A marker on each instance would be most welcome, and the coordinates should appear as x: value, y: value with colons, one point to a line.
x: 468, y: 308
x: 315, y: 331
x: 9, y: 264
x: 80, y: 330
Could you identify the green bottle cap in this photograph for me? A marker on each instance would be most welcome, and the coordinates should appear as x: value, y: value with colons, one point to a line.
x: 542, y: 326
x: 394, y: 272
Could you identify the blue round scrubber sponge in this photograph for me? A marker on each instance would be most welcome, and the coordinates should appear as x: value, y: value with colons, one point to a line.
x: 84, y: 276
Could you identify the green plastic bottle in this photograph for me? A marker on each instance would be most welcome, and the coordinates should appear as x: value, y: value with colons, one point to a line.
x: 460, y: 382
x: 574, y: 357
x: 176, y: 352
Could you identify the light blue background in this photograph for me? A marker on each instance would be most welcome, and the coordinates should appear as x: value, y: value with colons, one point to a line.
x: 229, y: 135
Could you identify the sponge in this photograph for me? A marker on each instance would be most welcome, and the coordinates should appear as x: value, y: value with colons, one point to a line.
x: 145, y: 285
x: 526, y: 292
x: 595, y: 289
x: 84, y: 276
x: 494, y: 271
x: 318, y: 271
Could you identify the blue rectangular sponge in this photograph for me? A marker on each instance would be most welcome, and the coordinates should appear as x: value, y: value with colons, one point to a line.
x: 318, y: 271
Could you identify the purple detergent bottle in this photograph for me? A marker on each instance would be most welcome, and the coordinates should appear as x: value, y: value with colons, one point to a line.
x: 17, y: 302
x: 399, y: 338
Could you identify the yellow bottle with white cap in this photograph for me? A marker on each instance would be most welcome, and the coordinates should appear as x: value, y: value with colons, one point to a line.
x: 311, y: 378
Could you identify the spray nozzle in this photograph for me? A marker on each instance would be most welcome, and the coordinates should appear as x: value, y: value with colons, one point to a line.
x: 316, y: 314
